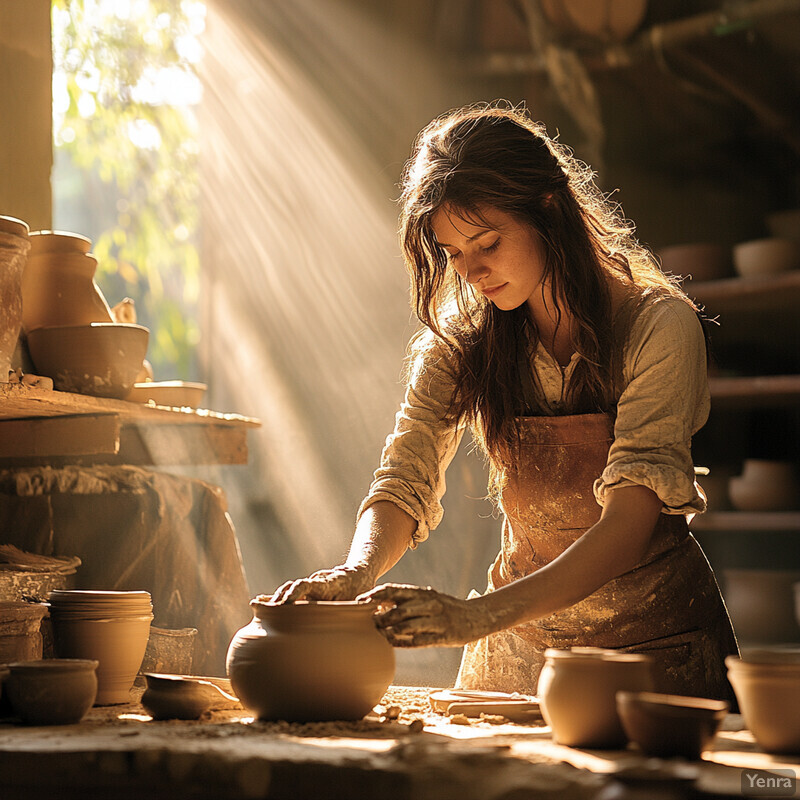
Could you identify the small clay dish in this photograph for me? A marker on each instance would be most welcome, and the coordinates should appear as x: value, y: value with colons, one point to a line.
x: 102, y: 359
x: 667, y: 725
x: 177, y: 394
x: 180, y: 696
x: 56, y: 691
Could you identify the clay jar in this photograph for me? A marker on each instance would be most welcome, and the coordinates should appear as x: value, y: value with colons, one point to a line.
x: 14, y: 246
x: 58, y: 286
x: 20, y: 631
x: 52, y: 692
x: 767, y: 686
x: 765, y: 485
x: 310, y: 661
x: 577, y: 692
x: 110, y: 627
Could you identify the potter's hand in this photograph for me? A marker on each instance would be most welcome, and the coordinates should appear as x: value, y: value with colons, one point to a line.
x: 410, y: 616
x: 338, y: 583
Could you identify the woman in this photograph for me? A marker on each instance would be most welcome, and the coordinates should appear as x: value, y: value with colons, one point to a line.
x: 581, y: 369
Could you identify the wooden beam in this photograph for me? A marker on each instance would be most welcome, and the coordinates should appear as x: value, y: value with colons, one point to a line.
x: 44, y: 437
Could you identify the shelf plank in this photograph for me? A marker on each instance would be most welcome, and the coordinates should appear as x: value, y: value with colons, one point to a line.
x: 84, y: 435
x: 771, y: 293
x: 755, y: 390
x: 761, y: 521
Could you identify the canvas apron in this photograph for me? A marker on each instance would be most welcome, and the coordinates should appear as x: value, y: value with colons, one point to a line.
x: 668, y: 606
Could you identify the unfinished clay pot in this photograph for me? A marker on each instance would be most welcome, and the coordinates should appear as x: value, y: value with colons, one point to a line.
x: 52, y: 692
x: 58, y: 286
x: 667, y: 725
x: 110, y: 627
x: 20, y: 631
x: 100, y: 359
x: 767, y: 686
x: 310, y: 661
x: 14, y: 247
x: 180, y: 696
x: 577, y: 692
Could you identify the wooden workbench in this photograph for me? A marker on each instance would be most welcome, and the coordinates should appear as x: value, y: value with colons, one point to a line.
x: 41, y: 426
x: 119, y: 752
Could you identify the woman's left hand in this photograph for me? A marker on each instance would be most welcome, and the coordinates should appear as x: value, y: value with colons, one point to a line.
x: 412, y: 616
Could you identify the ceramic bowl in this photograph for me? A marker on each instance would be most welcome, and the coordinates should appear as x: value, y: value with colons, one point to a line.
x: 703, y: 261
x: 101, y: 359
x: 177, y: 394
x: 767, y: 686
x: 59, y: 242
x: 766, y: 257
x: 667, y: 725
x: 169, y: 696
x: 52, y: 692
x: 785, y: 224
x: 765, y: 485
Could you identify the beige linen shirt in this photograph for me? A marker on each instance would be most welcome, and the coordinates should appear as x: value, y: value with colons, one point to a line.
x: 665, y: 400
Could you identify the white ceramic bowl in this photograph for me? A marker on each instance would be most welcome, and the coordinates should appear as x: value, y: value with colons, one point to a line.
x: 766, y: 256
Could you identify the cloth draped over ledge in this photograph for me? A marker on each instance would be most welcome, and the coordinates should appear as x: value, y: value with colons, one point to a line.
x: 135, y: 529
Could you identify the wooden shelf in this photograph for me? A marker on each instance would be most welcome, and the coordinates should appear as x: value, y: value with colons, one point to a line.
x: 40, y: 426
x: 770, y: 293
x: 749, y: 391
x: 746, y: 521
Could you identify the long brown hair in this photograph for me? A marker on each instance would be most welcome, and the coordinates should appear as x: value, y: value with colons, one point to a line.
x: 495, y: 156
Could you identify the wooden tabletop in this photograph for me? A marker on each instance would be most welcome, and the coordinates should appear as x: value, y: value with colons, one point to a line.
x: 41, y: 426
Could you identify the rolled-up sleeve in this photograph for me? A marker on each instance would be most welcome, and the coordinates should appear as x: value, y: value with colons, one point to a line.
x: 664, y: 403
x: 424, y: 441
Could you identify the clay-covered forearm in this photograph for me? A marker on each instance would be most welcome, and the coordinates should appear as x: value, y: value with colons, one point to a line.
x: 383, y: 534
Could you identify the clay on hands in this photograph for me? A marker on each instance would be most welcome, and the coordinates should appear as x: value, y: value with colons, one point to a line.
x: 413, y: 616
x: 337, y: 583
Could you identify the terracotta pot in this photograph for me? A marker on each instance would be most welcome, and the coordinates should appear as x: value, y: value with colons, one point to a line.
x: 169, y: 650
x: 667, y: 725
x: 20, y: 631
x: 767, y: 687
x: 761, y: 604
x: 14, y: 247
x: 52, y: 692
x: 181, y: 696
x: 310, y: 661
x: 577, y: 691
x: 100, y: 359
x: 765, y: 485
x: 58, y: 286
x: 110, y: 627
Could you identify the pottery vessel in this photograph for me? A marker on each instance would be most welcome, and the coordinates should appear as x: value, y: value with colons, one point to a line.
x: 100, y: 359
x: 52, y: 692
x: 14, y: 247
x: 58, y: 286
x: 169, y: 650
x: 766, y: 257
x: 666, y: 725
x: 702, y: 261
x: 765, y: 485
x: 181, y: 696
x: 177, y: 394
x: 577, y: 692
x: 310, y: 661
x: 110, y: 627
x: 785, y: 224
x: 20, y: 631
x: 767, y: 686
x: 761, y: 604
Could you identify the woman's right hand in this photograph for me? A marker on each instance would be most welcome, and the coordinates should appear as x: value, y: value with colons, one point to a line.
x: 337, y: 583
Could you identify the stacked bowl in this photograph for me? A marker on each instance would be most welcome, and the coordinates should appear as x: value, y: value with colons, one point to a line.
x: 109, y: 627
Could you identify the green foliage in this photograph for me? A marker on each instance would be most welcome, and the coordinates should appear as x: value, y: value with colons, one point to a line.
x: 124, y: 87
